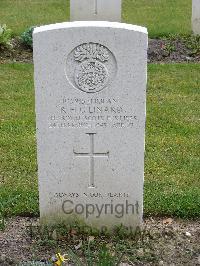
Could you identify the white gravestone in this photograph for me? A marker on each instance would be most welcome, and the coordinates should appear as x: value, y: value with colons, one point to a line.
x: 196, y: 16
x: 95, y: 10
x: 90, y: 80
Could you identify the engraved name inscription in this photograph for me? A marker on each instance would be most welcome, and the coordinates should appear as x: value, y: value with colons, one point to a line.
x: 91, y: 113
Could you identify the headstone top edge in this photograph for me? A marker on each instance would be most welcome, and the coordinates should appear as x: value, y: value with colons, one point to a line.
x: 79, y: 24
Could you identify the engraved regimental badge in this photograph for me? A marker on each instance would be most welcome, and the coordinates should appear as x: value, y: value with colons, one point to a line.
x: 91, y: 67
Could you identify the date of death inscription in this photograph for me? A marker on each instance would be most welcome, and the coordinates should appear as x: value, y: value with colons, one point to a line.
x: 91, y: 113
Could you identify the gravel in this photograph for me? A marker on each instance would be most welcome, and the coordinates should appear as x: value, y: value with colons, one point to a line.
x: 159, y: 51
x: 170, y: 241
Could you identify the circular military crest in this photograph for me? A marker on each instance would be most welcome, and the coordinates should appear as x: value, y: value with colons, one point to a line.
x: 91, y: 67
x: 91, y: 76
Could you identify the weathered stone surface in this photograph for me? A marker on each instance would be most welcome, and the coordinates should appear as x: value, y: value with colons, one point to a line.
x: 196, y: 16
x: 90, y: 80
x: 96, y: 10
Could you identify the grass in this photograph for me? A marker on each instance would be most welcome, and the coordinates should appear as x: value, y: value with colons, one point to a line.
x: 172, y: 150
x: 172, y: 183
x: 161, y: 17
x: 21, y: 14
x: 17, y: 141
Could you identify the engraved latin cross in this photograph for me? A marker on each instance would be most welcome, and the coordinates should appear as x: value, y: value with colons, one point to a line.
x: 91, y: 155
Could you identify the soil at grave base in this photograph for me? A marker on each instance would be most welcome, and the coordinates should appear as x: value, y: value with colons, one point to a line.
x: 172, y: 242
x: 158, y: 52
